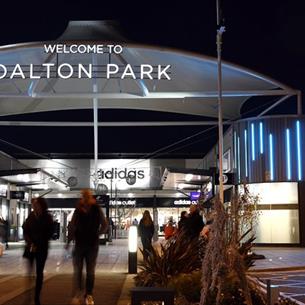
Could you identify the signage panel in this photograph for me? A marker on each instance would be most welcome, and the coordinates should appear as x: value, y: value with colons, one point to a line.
x: 122, y: 174
x: 17, y: 195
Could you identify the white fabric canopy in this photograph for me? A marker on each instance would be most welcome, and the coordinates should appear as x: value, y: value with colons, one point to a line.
x: 191, y: 90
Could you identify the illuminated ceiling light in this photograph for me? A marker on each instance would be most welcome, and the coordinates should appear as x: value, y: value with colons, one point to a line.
x: 45, y: 187
x: 188, y: 177
x: 36, y: 195
x: 59, y: 195
x: 37, y: 176
x: 19, y: 177
x: 130, y: 195
x: 178, y: 194
x: 209, y: 186
x: 26, y: 178
x: 180, y: 186
x: 199, y: 191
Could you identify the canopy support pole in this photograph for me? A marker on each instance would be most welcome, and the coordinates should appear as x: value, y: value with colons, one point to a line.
x: 299, y: 101
x: 95, y: 125
x: 220, y: 31
x: 274, y: 105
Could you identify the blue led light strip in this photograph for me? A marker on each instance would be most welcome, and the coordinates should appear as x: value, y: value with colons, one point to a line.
x: 288, y: 154
x: 252, y: 142
x: 299, y: 160
x: 271, y: 160
x: 246, y: 152
x: 235, y: 150
x: 238, y: 158
x: 261, y: 139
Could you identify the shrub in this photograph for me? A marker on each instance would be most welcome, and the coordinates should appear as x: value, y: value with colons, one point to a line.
x: 180, y: 255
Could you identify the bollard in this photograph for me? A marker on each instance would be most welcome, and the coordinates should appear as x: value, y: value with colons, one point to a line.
x: 272, y: 293
x: 132, y: 250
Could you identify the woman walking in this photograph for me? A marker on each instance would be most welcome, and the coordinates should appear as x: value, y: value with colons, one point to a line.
x: 146, y: 232
x: 87, y: 223
x: 37, y: 231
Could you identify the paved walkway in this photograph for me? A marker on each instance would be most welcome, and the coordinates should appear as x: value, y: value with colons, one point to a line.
x: 111, y: 274
x: 16, y: 288
x: 280, y: 258
x: 57, y: 290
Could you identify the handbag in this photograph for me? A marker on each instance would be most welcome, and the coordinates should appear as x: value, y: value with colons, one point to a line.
x: 29, y: 252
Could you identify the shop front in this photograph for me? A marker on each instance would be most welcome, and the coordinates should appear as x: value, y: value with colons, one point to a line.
x: 125, y: 212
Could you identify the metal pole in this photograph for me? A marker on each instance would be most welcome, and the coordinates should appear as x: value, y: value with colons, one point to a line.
x: 299, y: 97
x: 220, y: 31
x: 95, y: 122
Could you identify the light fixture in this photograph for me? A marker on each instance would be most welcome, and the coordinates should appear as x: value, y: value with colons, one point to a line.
x: 238, y: 157
x: 235, y: 149
x: 253, y: 142
x: 36, y: 195
x: 59, y: 195
x: 130, y: 195
x: 288, y: 155
x: 188, y: 177
x: 132, y: 249
x: 261, y: 138
x: 246, y: 152
x: 299, y: 150
x: 180, y: 186
x: 26, y: 178
x: 271, y: 160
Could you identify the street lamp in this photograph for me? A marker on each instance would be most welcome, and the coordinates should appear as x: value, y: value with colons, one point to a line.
x: 132, y: 249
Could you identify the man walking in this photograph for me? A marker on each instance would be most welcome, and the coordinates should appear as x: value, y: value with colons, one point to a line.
x: 87, y: 223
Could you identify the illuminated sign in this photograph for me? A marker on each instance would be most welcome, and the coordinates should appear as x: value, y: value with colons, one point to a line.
x: 116, y: 173
x: 122, y: 202
x: 66, y: 70
x: 184, y: 202
x: 195, y: 195
x: 122, y: 174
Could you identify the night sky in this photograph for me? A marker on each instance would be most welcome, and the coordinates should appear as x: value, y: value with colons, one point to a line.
x: 266, y: 36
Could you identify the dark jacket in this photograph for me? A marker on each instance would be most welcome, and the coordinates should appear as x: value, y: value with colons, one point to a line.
x: 86, y: 227
x: 38, y: 230
x: 181, y: 223
x: 146, y: 232
x: 193, y: 225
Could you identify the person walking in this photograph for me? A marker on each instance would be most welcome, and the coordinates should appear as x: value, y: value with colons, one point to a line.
x: 169, y: 229
x: 37, y: 231
x: 146, y: 232
x: 182, y: 221
x: 6, y: 233
x: 194, y: 222
x: 88, y: 222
